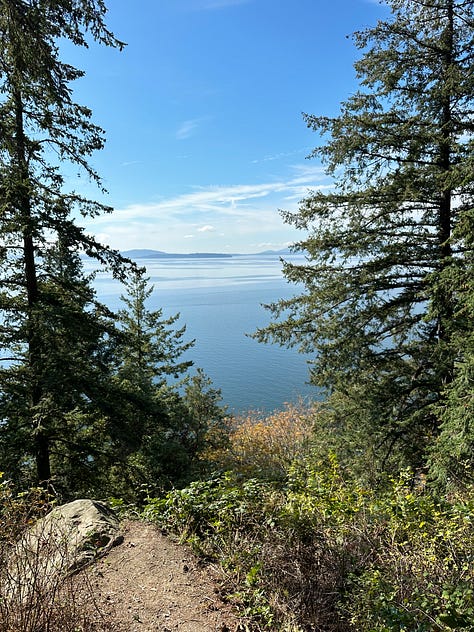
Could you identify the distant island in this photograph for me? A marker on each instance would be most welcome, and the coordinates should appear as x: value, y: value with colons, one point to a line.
x: 160, y: 254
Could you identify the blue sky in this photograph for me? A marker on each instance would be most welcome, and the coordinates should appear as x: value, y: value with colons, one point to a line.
x: 202, y: 113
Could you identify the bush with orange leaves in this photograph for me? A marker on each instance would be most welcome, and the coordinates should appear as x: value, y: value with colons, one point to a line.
x: 265, y: 446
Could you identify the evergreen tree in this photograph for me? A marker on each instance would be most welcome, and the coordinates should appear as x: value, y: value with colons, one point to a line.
x: 152, y: 347
x: 55, y: 335
x: 380, y: 301
x: 452, y: 454
x: 150, y: 351
x: 197, y: 422
x: 169, y: 414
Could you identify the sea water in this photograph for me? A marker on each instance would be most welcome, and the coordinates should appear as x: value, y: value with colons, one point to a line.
x: 220, y: 300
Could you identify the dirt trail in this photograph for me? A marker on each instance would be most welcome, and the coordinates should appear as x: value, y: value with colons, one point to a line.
x: 149, y: 583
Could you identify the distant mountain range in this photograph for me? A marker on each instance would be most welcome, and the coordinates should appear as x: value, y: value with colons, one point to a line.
x: 160, y: 254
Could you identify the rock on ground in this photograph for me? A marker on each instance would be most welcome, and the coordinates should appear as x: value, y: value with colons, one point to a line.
x: 66, y: 539
x: 146, y: 584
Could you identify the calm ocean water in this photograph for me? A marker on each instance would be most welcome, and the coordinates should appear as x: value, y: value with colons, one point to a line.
x: 220, y: 301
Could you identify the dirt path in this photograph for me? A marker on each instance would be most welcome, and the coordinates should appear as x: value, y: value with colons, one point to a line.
x: 149, y: 583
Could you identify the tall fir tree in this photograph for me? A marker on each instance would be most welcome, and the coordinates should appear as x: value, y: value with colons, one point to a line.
x: 152, y: 346
x: 150, y: 351
x: 55, y: 335
x: 171, y: 416
x: 451, y: 456
x: 379, y: 309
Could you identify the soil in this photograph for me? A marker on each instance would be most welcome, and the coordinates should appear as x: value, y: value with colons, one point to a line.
x: 150, y: 583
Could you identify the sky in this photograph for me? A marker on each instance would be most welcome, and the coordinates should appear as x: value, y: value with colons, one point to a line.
x: 203, y: 117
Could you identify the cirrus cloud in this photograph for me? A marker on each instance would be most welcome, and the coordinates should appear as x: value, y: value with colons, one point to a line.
x: 206, y: 229
x: 188, y: 128
x: 246, y: 214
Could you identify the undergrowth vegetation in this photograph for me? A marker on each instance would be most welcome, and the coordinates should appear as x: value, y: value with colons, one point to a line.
x: 302, y: 544
x: 311, y: 548
x: 264, y: 446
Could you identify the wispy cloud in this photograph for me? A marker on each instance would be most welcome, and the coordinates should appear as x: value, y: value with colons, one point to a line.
x: 247, y: 214
x: 206, y: 229
x: 232, y: 200
x: 130, y: 163
x: 211, y: 5
x: 225, y: 201
x: 381, y: 3
x: 187, y: 128
x: 282, y: 154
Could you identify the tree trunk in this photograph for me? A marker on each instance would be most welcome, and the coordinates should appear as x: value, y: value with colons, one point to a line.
x: 41, y: 442
x: 446, y: 307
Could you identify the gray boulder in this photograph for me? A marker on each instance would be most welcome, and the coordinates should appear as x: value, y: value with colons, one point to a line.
x: 65, y: 540
x: 80, y: 530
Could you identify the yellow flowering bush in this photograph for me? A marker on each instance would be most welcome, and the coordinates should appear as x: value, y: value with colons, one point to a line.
x: 266, y: 446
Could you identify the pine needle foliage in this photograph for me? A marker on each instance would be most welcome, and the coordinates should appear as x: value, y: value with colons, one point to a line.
x: 386, y: 252
x: 55, y: 336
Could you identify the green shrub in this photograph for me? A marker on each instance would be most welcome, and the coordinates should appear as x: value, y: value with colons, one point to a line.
x: 420, y: 574
x: 284, y: 556
x: 320, y: 552
x: 224, y: 519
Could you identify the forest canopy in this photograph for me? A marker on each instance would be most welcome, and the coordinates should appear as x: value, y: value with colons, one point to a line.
x: 83, y: 400
x: 387, y: 301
